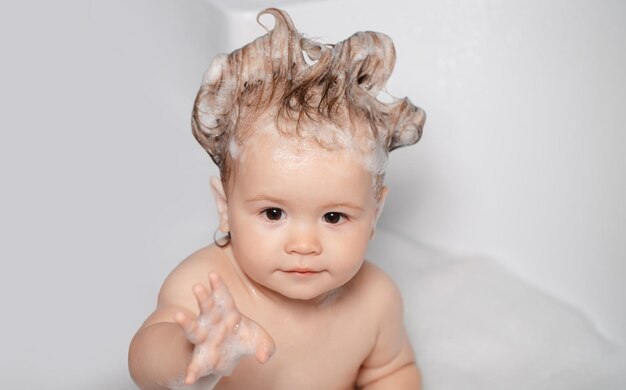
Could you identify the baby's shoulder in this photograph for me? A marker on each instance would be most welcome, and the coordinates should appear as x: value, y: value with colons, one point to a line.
x: 191, y: 271
x: 376, y: 288
x: 176, y: 293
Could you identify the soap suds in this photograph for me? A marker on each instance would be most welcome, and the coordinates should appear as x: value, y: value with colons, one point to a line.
x: 293, y: 79
x: 239, y: 340
x: 233, y: 149
x: 326, y: 141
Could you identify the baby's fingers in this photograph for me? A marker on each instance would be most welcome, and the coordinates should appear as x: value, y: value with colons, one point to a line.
x: 221, y: 294
x: 264, y: 350
x: 204, y: 298
x: 193, y: 372
x: 203, y: 363
x: 192, y: 330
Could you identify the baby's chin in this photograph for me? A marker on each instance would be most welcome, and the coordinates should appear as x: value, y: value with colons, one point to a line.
x: 312, y: 296
x: 321, y: 300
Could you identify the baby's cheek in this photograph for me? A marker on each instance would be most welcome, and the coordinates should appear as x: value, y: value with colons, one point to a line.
x: 266, y: 238
x: 354, y: 245
x: 255, y: 245
x: 349, y: 251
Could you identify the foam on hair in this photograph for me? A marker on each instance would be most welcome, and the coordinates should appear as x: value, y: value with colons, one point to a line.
x: 302, y: 82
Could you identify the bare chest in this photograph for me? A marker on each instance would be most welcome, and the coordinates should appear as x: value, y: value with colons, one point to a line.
x: 319, y: 350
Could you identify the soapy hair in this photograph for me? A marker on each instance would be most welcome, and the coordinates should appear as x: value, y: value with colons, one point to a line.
x: 337, y: 84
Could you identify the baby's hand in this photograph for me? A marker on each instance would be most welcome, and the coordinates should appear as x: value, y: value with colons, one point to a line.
x: 221, y: 334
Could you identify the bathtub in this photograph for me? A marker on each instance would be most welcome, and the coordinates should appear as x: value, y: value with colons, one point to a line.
x: 504, y: 227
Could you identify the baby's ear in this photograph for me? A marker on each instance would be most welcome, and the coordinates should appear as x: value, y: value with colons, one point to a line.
x: 221, y: 202
x: 379, y: 208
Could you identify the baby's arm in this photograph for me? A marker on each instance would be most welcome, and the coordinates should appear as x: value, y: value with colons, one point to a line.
x: 391, y: 364
x: 205, y: 343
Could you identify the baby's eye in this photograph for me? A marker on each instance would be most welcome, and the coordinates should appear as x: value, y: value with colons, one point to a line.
x: 273, y: 214
x: 334, y: 217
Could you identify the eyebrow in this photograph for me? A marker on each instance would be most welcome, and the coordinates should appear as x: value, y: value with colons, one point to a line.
x: 348, y: 205
x: 258, y: 198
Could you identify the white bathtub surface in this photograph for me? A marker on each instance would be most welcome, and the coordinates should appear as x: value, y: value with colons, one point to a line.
x: 476, y: 326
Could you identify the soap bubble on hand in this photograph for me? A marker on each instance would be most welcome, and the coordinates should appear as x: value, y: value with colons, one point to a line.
x: 221, y: 334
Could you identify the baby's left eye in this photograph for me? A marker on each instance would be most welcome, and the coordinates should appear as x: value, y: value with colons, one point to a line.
x: 334, y: 217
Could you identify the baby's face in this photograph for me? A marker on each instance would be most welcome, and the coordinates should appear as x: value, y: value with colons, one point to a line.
x: 300, y: 217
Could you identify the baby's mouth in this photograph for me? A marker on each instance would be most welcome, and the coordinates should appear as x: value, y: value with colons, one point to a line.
x: 302, y: 272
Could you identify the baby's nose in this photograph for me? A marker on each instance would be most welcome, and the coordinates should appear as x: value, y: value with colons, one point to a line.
x: 303, y: 240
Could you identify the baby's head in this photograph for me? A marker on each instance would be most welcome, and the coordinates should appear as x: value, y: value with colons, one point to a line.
x: 301, y: 142
x: 306, y: 93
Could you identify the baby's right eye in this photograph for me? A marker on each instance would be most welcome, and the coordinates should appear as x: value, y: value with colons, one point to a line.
x: 273, y: 214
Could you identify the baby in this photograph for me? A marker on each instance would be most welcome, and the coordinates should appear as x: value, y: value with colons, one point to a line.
x: 285, y: 298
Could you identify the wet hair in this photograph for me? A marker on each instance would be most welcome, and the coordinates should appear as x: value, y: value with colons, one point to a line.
x: 298, y: 80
